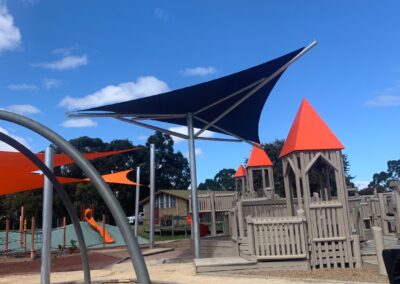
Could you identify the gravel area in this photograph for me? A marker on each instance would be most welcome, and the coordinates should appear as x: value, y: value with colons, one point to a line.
x: 365, y: 274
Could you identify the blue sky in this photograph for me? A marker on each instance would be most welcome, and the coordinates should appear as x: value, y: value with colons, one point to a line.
x: 57, y: 56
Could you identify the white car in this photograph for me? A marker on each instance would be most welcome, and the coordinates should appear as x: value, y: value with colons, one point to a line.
x: 131, y: 219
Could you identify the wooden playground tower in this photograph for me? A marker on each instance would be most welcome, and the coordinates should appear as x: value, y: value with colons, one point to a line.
x: 311, y: 223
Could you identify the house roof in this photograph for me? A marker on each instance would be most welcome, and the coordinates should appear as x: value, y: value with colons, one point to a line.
x: 258, y: 158
x: 309, y: 132
x: 241, y: 172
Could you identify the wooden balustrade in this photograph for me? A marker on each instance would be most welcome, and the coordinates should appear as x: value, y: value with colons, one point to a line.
x: 277, y: 238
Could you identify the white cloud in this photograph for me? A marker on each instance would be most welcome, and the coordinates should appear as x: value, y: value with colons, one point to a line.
x: 23, y: 109
x: 66, y: 63
x: 64, y: 51
x: 184, y: 130
x: 361, y: 184
x: 30, y: 2
x: 384, y: 101
x: 51, y: 83
x: 199, y: 71
x: 389, y: 97
x: 143, y: 137
x: 198, y: 152
x: 22, y: 87
x: 143, y: 87
x: 10, y: 36
x: 6, y: 147
x: 79, y: 122
x: 161, y: 14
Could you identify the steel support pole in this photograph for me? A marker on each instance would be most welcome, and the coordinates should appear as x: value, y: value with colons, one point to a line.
x: 152, y: 193
x: 137, y: 200
x: 193, y: 179
x: 47, y: 219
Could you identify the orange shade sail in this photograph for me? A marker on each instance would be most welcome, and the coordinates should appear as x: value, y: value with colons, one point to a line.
x: 309, y: 132
x: 16, y: 170
x: 118, y: 177
x: 16, y: 162
x: 27, y: 181
x: 258, y: 158
x: 241, y: 172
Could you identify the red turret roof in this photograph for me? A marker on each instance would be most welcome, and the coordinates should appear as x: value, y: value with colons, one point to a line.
x: 241, y: 172
x: 258, y: 158
x: 309, y: 132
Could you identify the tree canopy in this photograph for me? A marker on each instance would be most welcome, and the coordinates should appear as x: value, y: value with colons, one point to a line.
x: 223, y: 180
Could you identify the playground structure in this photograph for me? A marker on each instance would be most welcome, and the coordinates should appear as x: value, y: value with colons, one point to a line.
x: 101, y: 229
x: 316, y: 225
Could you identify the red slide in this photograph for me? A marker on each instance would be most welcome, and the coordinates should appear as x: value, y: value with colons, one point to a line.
x: 90, y: 220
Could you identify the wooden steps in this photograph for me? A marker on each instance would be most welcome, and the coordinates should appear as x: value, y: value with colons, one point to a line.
x: 218, y: 264
x: 217, y: 246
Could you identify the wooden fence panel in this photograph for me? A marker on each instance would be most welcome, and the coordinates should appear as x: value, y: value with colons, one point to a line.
x: 278, y: 238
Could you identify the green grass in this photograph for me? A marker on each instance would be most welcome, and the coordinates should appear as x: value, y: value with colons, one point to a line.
x: 165, y: 237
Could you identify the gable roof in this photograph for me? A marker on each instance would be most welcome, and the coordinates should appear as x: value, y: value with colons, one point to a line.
x: 241, y: 172
x: 258, y: 158
x: 309, y: 132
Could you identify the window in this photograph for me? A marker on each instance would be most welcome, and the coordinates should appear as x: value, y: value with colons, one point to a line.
x: 267, y: 181
x: 165, y: 201
x: 257, y: 180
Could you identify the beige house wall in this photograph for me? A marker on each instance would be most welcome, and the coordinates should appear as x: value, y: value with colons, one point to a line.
x: 181, y: 209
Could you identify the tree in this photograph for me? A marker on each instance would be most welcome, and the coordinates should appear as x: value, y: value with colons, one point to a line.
x: 209, y: 184
x: 348, y: 176
x: 273, y: 150
x: 381, y: 180
x: 223, y: 180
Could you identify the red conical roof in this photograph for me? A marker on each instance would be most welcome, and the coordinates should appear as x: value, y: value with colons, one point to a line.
x: 309, y: 132
x: 241, y: 172
x: 258, y: 158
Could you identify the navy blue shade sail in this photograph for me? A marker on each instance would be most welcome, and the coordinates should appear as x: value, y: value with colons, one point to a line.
x: 242, y: 121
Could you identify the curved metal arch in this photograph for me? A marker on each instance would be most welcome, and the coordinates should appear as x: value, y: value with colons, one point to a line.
x: 112, y: 203
x: 63, y: 195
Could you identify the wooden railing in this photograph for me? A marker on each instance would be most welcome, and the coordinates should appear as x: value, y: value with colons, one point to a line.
x: 277, y: 238
x: 219, y: 201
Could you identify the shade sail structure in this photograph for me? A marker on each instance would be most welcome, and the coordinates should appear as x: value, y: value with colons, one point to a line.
x: 230, y: 105
x: 210, y: 100
x: 12, y: 163
x: 21, y: 182
x: 27, y: 181
x: 17, y: 172
x: 118, y: 177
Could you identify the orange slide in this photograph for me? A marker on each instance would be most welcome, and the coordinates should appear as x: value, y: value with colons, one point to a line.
x: 90, y: 220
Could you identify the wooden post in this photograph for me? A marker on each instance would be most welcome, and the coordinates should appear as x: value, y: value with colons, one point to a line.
x: 21, y: 224
x: 213, y: 219
x: 240, y: 219
x: 384, y: 224
x: 357, y: 250
x: 104, y: 229
x: 250, y: 235
x: 32, y: 238
x: 24, y: 244
x: 7, y: 229
x: 378, y: 238
x: 65, y: 232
